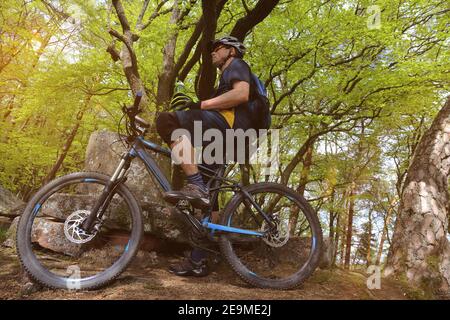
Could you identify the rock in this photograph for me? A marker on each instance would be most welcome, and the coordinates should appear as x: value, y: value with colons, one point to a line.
x: 5, y: 222
x: 10, y: 205
x: 30, y: 288
x: 145, y: 259
x: 48, y: 234
x: 103, y: 155
x: 160, y: 220
x: 165, y: 222
x: 328, y: 250
x: 10, y: 241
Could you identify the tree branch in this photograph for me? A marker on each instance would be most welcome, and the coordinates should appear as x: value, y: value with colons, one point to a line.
x: 121, y: 15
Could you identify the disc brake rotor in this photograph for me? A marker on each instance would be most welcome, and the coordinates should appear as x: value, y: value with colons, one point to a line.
x: 72, y: 230
x: 279, y: 237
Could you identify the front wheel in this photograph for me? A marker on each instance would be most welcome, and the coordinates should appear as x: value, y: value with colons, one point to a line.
x: 281, y: 256
x: 56, y: 252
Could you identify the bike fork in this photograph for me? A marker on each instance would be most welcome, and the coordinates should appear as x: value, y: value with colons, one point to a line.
x: 107, y: 193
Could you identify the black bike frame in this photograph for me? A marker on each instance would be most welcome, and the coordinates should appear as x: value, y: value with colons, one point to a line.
x: 216, y: 179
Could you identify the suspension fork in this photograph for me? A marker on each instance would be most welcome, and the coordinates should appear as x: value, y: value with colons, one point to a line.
x: 108, y: 192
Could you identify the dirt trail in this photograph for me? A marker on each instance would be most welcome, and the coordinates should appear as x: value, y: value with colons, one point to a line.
x: 155, y: 282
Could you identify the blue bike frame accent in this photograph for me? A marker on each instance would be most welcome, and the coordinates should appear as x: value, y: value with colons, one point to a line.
x: 36, y: 208
x: 220, y: 227
x: 155, y: 147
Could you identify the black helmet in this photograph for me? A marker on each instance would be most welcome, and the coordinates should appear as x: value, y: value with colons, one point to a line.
x: 229, y: 41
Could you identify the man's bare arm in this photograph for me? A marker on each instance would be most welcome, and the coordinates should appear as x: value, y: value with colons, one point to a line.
x: 239, y: 94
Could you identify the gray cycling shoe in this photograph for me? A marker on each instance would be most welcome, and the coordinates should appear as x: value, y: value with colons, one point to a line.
x: 190, y: 192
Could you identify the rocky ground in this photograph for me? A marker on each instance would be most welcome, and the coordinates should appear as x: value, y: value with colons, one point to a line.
x: 151, y: 280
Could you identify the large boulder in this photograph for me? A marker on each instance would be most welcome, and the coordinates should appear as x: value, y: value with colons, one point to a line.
x: 103, y: 155
x: 48, y: 234
x: 163, y: 221
x: 10, y: 205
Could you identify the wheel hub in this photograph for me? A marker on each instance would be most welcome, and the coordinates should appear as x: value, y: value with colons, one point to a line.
x: 72, y: 227
x: 279, y: 236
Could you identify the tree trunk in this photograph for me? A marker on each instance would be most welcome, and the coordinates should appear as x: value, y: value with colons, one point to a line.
x: 387, y: 220
x: 128, y: 56
x: 351, y: 209
x: 336, y: 241
x: 342, y: 249
x: 166, y: 78
x: 331, y: 224
x: 293, y: 219
x: 369, y: 244
x: 420, y: 248
x: 207, y: 76
x: 52, y: 173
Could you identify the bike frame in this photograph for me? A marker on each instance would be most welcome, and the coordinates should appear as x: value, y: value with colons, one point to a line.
x: 138, y: 149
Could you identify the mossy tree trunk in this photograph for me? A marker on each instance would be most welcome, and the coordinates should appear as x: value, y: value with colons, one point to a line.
x: 420, y: 249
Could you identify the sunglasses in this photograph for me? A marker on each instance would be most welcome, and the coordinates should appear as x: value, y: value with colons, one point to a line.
x: 218, y: 48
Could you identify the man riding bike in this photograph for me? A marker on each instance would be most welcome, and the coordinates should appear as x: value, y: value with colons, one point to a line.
x: 227, y: 109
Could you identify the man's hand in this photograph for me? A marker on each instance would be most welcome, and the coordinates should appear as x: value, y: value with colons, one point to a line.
x: 193, y: 105
x: 181, y: 101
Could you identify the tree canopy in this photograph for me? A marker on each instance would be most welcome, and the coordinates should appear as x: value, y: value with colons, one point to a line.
x: 352, y: 86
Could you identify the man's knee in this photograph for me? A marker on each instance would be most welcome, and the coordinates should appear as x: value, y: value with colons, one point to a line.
x: 166, y: 123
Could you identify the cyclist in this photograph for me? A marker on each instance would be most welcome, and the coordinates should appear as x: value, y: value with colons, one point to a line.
x: 227, y: 109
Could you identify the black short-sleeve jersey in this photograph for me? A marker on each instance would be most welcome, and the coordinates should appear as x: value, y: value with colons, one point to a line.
x: 237, y: 70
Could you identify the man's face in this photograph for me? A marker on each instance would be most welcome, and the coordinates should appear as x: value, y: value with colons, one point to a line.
x: 219, y: 54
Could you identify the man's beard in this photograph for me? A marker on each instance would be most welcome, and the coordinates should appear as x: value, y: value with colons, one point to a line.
x: 216, y: 63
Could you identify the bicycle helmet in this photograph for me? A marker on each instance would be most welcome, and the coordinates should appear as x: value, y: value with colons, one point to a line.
x: 229, y: 41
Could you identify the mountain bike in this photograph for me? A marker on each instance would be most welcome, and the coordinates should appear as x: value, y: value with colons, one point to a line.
x: 257, y: 234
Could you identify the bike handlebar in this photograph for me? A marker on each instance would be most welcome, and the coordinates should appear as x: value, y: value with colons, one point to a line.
x: 132, y: 113
x: 137, y: 99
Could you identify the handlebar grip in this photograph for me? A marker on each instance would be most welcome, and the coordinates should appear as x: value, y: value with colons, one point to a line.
x: 137, y: 99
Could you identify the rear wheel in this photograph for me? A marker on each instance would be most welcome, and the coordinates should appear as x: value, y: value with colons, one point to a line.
x: 56, y: 252
x: 288, y: 253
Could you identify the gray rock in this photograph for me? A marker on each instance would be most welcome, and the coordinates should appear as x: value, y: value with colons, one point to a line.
x: 146, y: 259
x: 161, y: 221
x: 48, y: 234
x: 10, y: 205
x: 10, y: 241
x: 5, y: 222
x: 165, y: 222
x: 328, y: 250
x: 103, y: 155
x: 30, y: 288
